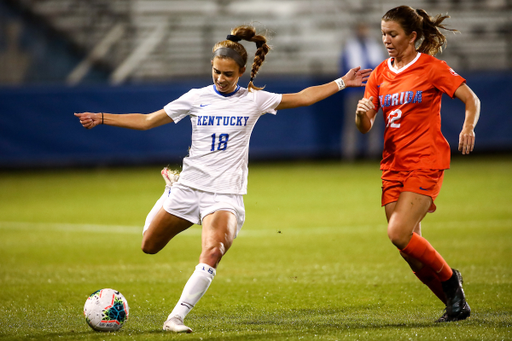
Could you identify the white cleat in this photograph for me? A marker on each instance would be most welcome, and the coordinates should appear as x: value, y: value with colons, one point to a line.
x: 170, y: 176
x: 175, y: 324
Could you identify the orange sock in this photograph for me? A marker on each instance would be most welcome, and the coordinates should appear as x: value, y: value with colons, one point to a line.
x: 432, y: 281
x: 421, y: 249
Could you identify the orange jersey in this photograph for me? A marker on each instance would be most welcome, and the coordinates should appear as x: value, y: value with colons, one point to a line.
x: 410, y: 99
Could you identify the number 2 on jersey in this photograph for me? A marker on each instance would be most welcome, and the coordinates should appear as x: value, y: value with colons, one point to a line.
x: 394, y: 116
x: 222, y: 143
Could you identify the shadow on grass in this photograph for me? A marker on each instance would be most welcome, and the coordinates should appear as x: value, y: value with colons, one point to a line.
x: 297, y: 324
x: 347, y: 318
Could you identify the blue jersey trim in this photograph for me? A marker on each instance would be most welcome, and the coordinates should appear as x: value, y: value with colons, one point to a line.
x: 227, y: 95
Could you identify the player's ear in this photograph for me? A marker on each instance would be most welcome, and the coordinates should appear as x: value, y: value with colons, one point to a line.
x: 413, y: 36
x: 241, y: 71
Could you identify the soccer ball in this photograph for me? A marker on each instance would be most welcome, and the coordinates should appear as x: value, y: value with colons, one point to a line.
x: 106, y: 310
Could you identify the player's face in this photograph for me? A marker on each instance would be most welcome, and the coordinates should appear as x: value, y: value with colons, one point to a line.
x: 397, y: 43
x: 225, y: 74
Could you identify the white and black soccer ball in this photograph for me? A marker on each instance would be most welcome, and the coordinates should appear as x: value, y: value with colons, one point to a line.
x: 106, y: 310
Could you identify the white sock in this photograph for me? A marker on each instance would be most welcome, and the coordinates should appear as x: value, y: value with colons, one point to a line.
x: 158, y: 205
x: 195, y: 288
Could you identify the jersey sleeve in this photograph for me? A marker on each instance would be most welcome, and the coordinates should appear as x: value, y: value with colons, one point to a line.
x: 445, y: 79
x: 268, y: 101
x: 372, y: 88
x: 180, y: 107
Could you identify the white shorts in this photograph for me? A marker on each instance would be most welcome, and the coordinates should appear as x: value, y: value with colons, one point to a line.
x: 193, y: 205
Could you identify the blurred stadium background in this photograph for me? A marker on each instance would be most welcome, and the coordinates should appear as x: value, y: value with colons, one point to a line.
x: 63, y: 56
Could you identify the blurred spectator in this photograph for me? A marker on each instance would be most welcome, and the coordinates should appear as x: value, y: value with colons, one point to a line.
x: 360, y: 50
x: 14, y: 62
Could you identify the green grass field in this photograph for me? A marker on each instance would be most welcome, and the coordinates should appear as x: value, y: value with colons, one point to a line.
x: 313, y: 261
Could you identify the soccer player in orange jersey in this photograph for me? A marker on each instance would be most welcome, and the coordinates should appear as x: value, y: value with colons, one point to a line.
x: 408, y: 88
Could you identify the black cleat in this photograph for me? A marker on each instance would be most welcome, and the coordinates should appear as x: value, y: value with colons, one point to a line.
x: 443, y: 318
x: 457, y: 308
x: 466, y: 312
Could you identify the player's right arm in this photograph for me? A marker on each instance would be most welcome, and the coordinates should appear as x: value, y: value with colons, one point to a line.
x: 365, y: 114
x: 130, y: 121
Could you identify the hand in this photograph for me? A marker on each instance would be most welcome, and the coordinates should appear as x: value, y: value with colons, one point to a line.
x: 364, y: 105
x: 89, y: 120
x: 466, y: 140
x: 357, y: 77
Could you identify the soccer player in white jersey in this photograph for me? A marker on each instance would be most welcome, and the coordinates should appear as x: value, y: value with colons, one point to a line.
x: 209, y: 191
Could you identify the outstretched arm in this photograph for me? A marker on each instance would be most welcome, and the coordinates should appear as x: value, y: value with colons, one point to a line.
x: 354, y: 78
x: 131, y: 121
x: 472, y: 103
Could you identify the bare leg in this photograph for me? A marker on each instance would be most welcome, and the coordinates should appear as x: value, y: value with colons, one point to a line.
x: 219, y: 230
x: 162, y: 229
x: 405, y: 215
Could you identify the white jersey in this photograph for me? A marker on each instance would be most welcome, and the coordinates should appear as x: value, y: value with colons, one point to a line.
x: 221, y: 129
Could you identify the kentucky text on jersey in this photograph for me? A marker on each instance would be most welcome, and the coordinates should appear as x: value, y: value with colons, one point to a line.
x: 400, y: 98
x: 222, y: 120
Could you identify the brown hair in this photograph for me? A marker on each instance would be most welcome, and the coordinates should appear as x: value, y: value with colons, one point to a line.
x: 430, y: 38
x: 246, y: 32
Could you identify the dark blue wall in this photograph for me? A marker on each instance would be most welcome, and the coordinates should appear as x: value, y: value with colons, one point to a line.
x: 37, y: 126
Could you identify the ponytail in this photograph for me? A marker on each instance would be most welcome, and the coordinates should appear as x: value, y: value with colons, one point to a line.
x: 433, y: 40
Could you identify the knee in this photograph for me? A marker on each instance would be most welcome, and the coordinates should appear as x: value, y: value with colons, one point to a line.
x: 149, y: 248
x: 398, y: 237
x: 212, y: 255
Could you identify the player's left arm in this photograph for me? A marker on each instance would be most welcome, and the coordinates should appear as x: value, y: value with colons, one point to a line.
x: 472, y: 103
x: 354, y: 78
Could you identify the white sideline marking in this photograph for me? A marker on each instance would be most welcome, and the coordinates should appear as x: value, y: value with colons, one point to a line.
x: 247, y: 232
x: 97, y: 228
x: 70, y: 227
